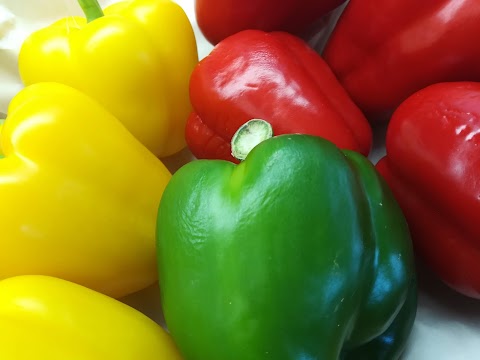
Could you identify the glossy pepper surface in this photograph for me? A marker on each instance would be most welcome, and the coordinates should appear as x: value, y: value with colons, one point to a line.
x: 135, y: 58
x: 218, y: 19
x: 79, y: 193
x: 1, y: 126
x: 272, y: 76
x: 299, y: 252
x: 48, y: 318
x: 433, y: 167
x: 382, y: 52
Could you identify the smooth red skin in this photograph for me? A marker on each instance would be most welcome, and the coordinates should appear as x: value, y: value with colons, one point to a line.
x: 218, y: 19
x: 275, y: 77
x: 433, y: 168
x: 384, y: 51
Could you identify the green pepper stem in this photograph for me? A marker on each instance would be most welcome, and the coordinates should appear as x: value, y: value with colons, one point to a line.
x: 249, y: 135
x: 91, y: 9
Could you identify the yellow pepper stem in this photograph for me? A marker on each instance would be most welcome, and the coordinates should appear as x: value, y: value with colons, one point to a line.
x: 91, y: 9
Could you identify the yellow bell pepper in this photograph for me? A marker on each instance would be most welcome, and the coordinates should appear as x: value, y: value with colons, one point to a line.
x: 1, y: 126
x: 135, y: 58
x: 79, y: 193
x: 45, y: 318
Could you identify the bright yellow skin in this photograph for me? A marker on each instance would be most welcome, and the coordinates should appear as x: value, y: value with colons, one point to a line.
x: 1, y: 125
x: 45, y: 318
x: 136, y: 60
x: 79, y: 193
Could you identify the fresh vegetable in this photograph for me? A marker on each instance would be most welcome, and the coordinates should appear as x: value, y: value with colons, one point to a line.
x: 384, y: 51
x: 135, y: 58
x: 48, y: 318
x: 433, y: 168
x: 1, y: 126
x: 79, y: 193
x: 218, y: 19
x: 299, y: 252
x: 273, y: 76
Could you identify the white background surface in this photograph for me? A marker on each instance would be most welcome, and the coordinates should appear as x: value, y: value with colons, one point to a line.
x: 447, y: 326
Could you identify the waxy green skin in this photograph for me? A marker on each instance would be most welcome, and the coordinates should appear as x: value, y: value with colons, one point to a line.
x: 299, y: 252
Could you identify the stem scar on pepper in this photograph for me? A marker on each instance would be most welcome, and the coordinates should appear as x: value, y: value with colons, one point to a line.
x: 249, y: 135
x: 91, y: 9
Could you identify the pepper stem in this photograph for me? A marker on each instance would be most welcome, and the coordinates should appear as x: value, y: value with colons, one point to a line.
x: 249, y: 135
x: 91, y: 9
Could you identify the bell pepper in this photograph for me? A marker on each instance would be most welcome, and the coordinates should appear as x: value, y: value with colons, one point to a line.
x: 298, y: 252
x: 273, y: 76
x: 433, y: 168
x: 135, y: 58
x: 48, y: 318
x: 1, y: 126
x: 79, y: 193
x: 218, y: 19
x: 384, y: 51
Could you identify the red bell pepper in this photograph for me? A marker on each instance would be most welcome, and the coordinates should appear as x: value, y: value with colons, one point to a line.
x: 276, y: 77
x: 218, y: 19
x: 384, y: 51
x: 433, y: 167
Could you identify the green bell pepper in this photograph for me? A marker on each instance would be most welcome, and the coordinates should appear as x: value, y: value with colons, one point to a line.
x: 299, y: 252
